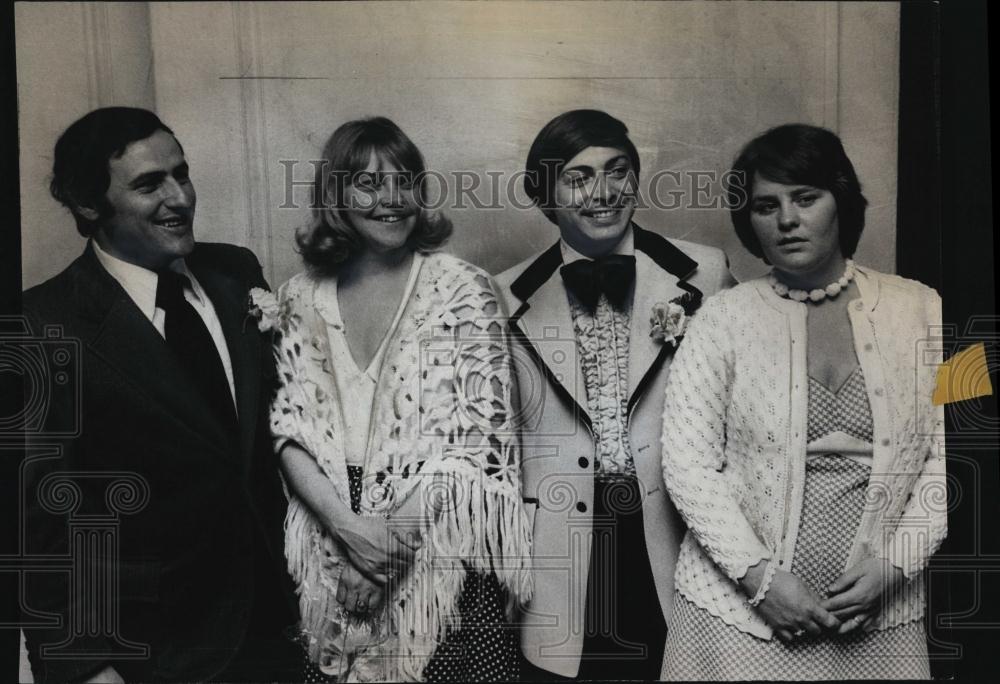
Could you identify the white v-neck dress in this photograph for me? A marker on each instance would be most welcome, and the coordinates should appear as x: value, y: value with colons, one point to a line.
x: 357, y: 386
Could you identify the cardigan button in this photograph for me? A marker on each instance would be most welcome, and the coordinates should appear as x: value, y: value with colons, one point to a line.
x: 580, y: 506
x: 878, y: 392
x: 886, y: 442
x: 868, y: 346
x: 583, y: 462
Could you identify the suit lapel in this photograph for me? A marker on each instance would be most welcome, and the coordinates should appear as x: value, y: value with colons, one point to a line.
x: 543, y: 325
x: 126, y: 340
x: 652, y: 285
x: 228, y: 298
x: 660, y: 273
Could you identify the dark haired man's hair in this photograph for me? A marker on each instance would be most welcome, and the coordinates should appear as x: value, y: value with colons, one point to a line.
x: 80, y: 172
x: 797, y: 154
x: 563, y: 138
x: 330, y: 240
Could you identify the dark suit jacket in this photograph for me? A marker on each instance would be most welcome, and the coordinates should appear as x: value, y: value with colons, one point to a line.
x: 184, y: 519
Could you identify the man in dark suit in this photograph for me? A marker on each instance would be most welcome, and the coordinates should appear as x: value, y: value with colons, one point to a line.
x: 164, y: 501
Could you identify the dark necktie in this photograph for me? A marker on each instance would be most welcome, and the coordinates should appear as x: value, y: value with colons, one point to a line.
x: 189, y: 339
x: 611, y: 274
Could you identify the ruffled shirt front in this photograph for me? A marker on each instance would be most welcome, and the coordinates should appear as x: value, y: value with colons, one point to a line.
x: 602, y: 341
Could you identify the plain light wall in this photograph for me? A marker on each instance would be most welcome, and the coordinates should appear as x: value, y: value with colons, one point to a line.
x: 248, y: 85
x: 72, y: 57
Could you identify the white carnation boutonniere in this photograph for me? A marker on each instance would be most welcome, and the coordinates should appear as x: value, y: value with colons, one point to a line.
x: 669, y: 320
x: 264, y: 308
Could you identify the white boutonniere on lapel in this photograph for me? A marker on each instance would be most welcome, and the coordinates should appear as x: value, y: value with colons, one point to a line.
x: 264, y: 308
x: 669, y: 320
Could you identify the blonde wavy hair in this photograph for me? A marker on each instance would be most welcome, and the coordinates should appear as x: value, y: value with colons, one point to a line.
x: 329, y: 240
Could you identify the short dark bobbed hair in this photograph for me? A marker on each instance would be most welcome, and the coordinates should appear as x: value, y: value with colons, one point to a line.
x: 797, y: 154
x: 80, y: 173
x: 563, y: 138
x: 330, y: 240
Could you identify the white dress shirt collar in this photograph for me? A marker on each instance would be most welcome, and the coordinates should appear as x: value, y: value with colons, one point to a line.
x: 140, y: 283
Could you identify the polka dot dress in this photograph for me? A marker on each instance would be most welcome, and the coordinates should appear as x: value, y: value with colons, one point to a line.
x: 702, y: 647
x: 311, y: 674
x: 483, y: 649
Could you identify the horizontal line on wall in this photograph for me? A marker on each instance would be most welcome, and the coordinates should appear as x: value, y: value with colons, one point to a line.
x: 502, y: 78
x: 274, y: 78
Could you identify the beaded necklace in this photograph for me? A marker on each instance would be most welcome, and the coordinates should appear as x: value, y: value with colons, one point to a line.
x: 818, y: 294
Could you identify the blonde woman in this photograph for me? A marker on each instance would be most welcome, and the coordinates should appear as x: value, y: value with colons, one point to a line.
x: 393, y: 418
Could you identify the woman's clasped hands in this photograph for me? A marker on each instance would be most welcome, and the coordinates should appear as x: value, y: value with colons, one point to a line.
x: 793, y: 610
x: 377, y: 551
x: 858, y: 595
x: 790, y: 607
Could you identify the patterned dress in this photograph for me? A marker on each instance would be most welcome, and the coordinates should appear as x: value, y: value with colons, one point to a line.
x: 702, y: 647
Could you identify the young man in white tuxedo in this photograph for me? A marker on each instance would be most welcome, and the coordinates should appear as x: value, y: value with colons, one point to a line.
x: 595, y: 319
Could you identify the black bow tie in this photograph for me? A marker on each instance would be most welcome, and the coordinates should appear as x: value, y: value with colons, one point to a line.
x: 611, y: 274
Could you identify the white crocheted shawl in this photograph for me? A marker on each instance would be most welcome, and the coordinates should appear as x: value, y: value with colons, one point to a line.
x: 442, y: 426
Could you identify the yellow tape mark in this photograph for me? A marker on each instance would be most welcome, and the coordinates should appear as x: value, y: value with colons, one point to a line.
x: 966, y: 375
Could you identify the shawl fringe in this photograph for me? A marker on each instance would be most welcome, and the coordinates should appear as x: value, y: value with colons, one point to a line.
x: 481, y: 525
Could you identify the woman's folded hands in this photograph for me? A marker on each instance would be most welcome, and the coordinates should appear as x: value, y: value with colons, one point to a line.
x: 378, y: 548
x: 790, y: 607
x: 358, y: 594
x: 857, y: 595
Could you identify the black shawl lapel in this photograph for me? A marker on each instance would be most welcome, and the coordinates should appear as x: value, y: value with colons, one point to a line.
x: 543, y: 325
x: 663, y: 280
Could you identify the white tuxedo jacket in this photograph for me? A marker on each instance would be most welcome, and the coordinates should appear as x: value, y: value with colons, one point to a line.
x: 558, y: 444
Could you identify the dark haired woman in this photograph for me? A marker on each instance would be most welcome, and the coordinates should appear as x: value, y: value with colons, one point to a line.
x: 800, y: 443
x: 405, y: 533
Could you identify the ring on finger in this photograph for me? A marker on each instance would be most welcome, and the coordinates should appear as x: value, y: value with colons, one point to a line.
x: 799, y: 632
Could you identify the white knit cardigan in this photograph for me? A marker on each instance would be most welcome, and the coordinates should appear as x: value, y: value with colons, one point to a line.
x: 734, y: 440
